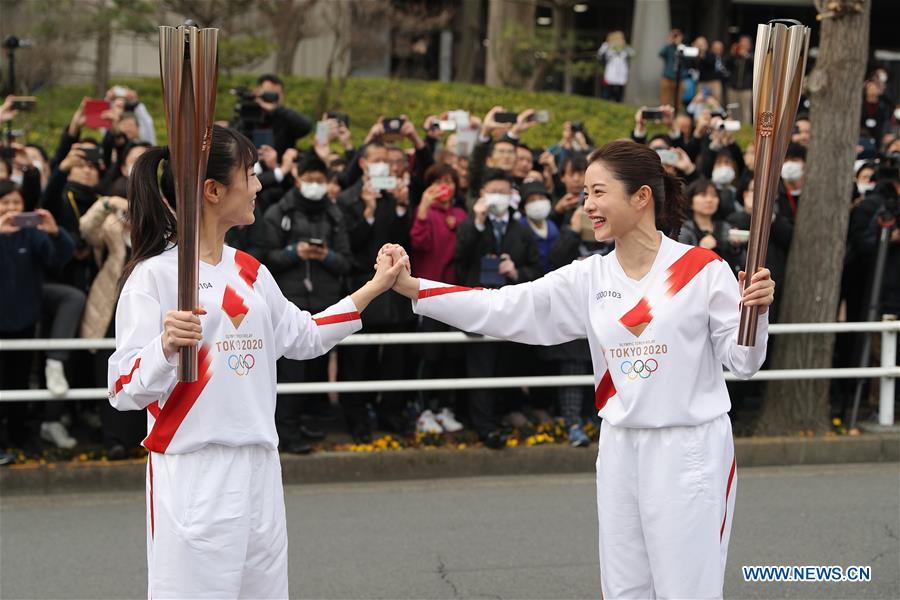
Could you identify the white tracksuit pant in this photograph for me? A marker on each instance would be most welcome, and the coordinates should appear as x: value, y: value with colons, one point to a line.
x: 216, y: 524
x: 665, y: 500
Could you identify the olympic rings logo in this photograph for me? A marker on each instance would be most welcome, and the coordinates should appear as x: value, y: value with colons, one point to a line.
x: 639, y: 368
x: 241, y: 363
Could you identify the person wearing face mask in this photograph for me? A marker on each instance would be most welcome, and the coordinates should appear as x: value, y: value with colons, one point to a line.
x: 865, y: 179
x: 375, y: 216
x: 306, y: 247
x: 780, y: 236
x: 493, y: 250
x: 704, y: 228
x: 724, y: 176
x: 537, y: 209
x: 792, y: 177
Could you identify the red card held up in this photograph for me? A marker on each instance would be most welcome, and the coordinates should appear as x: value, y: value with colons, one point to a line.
x: 93, y: 111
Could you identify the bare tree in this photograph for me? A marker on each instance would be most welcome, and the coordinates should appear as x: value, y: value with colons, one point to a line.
x: 812, y: 281
x: 290, y: 23
x: 104, y: 18
x: 208, y: 13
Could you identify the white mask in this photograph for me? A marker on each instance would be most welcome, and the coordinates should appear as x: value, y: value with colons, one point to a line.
x: 538, y: 210
x: 497, y: 204
x: 16, y: 178
x: 723, y: 175
x: 38, y: 165
x: 792, y: 171
x: 865, y: 187
x: 313, y: 191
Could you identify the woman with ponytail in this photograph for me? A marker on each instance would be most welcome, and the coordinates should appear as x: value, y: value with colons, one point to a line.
x: 661, y: 319
x: 215, y: 506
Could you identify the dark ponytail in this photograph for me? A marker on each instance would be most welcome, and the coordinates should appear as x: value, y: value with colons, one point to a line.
x: 636, y: 165
x: 151, y: 192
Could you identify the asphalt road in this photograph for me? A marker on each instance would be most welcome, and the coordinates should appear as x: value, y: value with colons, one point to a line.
x: 491, y: 537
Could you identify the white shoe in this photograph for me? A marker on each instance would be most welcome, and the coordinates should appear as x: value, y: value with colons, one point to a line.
x: 428, y: 424
x: 56, y: 433
x: 56, y: 378
x: 448, y: 421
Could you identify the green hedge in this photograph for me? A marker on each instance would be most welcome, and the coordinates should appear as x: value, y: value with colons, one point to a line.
x: 364, y: 100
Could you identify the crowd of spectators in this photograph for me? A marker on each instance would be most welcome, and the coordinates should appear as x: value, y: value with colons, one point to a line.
x: 474, y: 205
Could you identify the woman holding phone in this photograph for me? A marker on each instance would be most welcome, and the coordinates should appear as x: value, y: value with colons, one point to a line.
x: 661, y: 319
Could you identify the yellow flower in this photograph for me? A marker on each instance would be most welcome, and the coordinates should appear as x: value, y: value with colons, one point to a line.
x: 512, y: 443
x: 463, y: 446
x: 82, y: 457
x: 836, y: 421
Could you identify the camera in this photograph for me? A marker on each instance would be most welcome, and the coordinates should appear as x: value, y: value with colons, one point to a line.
x: 14, y: 43
x: 246, y: 110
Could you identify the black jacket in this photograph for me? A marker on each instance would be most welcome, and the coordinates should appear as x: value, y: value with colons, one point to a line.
x: 289, y: 222
x: 287, y: 127
x: 365, y: 241
x: 692, y: 234
x: 741, y: 70
x: 473, y: 245
x: 24, y: 255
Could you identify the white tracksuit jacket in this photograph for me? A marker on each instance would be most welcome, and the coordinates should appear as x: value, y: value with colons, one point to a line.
x: 249, y: 326
x: 657, y: 345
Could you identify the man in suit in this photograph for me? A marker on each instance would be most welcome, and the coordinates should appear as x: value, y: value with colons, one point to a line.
x: 493, y: 250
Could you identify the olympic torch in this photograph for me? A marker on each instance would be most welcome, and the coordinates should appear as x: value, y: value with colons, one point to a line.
x: 188, y: 65
x: 778, y: 67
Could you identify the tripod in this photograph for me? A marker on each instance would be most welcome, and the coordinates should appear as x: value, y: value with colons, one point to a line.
x: 887, y: 222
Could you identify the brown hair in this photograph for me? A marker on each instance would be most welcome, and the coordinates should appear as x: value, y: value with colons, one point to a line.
x: 636, y: 165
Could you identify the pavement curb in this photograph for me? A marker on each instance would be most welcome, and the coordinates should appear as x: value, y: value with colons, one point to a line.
x: 337, y: 467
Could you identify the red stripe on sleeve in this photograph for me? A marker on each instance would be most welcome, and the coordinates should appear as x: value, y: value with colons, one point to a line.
x: 440, y: 291
x: 727, y: 492
x: 605, y: 390
x: 126, y: 379
x: 686, y: 268
x: 334, y: 319
x: 177, y: 406
x: 153, y: 409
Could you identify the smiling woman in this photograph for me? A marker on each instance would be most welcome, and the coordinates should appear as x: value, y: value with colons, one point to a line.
x: 215, y: 507
x: 661, y: 319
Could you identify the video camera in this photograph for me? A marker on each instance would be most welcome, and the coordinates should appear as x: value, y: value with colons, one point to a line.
x: 246, y: 111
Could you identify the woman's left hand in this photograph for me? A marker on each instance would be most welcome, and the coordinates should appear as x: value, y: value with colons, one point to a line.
x: 760, y: 292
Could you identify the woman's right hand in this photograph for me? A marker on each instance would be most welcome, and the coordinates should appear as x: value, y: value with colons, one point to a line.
x: 181, y: 329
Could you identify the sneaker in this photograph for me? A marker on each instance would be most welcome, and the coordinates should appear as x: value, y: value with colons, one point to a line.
x: 447, y: 420
x: 6, y: 458
x: 56, y: 378
x: 56, y: 433
x: 428, y: 424
x: 578, y: 438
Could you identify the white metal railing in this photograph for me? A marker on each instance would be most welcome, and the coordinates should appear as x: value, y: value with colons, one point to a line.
x: 888, y: 372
